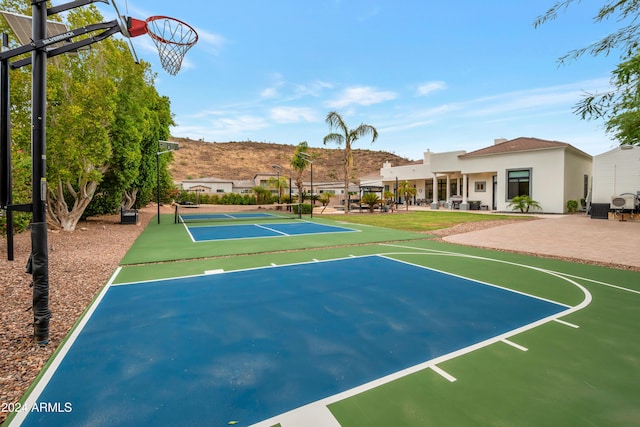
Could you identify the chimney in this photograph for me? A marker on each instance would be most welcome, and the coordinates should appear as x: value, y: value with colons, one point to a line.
x: 499, y: 141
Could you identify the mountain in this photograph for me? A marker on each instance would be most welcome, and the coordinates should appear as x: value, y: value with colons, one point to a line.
x: 243, y: 160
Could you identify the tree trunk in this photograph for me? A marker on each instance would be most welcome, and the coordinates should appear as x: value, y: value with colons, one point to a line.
x: 347, y: 174
x: 59, y: 215
x: 129, y: 198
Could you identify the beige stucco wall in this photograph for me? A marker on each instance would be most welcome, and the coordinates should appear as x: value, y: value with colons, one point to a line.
x: 557, y: 175
x: 616, y: 172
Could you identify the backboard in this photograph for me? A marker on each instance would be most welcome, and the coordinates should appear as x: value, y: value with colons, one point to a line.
x: 168, y: 145
x: 21, y: 27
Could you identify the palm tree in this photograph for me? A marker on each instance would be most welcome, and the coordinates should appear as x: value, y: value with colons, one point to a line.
x: 372, y: 200
x: 523, y: 204
x: 298, y: 165
x: 262, y: 194
x: 406, y: 190
x: 341, y: 134
x: 277, y: 183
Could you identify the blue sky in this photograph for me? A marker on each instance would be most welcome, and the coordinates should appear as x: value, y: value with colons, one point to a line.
x: 428, y: 75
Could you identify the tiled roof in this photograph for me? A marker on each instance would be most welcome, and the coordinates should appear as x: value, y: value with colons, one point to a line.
x: 515, y: 145
x: 206, y: 180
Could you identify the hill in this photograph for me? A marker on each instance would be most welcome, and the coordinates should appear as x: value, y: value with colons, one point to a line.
x: 243, y: 160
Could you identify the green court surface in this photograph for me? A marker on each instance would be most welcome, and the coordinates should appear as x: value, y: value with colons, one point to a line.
x: 169, y: 242
x: 580, y: 370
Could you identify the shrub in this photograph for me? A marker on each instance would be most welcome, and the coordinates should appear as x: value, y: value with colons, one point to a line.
x: 572, y: 206
x: 523, y: 204
x: 371, y: 199
x: 306, y: 208
x: 21, y: 221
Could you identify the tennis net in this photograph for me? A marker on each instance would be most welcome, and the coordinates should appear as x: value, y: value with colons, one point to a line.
x: 215, y: 213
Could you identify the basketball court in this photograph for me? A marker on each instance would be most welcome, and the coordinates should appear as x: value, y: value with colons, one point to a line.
x: 335, y: 325
x: 266, y: 230
x: 375, y: 327
x: 249, y: 345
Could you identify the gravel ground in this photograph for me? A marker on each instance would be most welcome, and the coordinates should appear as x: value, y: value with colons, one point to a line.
x: 80, y: 263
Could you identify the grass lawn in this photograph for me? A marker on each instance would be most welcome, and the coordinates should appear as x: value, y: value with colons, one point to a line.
x: 423, y: 220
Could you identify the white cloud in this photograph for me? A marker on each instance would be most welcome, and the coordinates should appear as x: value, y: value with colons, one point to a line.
x: 212, y: 42
x: 427, y: 88
x: 293, y: 115
x: 312, y: 89
x: 270, y: 92
x: 361, y: 95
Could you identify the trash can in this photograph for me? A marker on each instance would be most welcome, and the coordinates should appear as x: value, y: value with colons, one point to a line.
x: 128, y: 216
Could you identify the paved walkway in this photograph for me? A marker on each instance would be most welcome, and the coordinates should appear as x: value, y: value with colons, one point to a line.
x: 574, y: 236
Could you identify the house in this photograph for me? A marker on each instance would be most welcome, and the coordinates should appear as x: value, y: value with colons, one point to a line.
x: 550, y: 172
x: 616, y: 174
x: 208, y: 185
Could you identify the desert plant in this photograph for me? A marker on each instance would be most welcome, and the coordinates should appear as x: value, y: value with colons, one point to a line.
x: 572, y: 206
x: 324, y: 198
x: 523, y: 204
x: 407, y: 190
x: 371, y: 199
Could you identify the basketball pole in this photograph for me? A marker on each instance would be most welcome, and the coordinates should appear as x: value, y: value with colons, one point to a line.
x: 39, y: 260
x: 38, y: 263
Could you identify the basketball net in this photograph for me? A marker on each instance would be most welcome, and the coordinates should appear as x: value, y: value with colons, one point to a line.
x: 172, y: 37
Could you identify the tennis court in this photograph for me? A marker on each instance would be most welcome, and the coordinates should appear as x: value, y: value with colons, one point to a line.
x: 207, y: 233
x: 406, y: 332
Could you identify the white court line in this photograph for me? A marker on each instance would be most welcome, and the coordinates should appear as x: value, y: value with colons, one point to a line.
x: 272, y: 229
x: 189, y: 232
x: 444, y: 374
x: 512, y: 344
x: 559, y: 273
x: 566, y: 323
x: 309, y: 408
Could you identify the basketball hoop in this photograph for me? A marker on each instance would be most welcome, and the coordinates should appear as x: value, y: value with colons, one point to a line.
x: 172, y: 37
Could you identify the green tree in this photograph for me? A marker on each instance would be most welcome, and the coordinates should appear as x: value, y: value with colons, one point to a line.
x: 342, y: 135
x: 104, y: 119
x: 299, y: 165
x: 407, y: 190
x: 262, y: 195
x: 278, y: 184
x: 620, y: 107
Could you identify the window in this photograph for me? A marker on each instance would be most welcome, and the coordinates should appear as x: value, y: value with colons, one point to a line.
x: 585, y: 190
x: 518, y: 183
x: 442, y: 189
x: 428, y: 189
x: 481, y: 186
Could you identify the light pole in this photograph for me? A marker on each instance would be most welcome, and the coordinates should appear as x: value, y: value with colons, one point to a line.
x: 277, y: 168
x: 307, y: 158
x: 158, y: 154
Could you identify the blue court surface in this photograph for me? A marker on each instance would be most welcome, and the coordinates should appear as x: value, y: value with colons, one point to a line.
x: 251, y: 344
x: 227, y: 216
x: 271, y: 229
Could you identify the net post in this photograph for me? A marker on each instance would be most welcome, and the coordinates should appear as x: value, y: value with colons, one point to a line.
x: 176, y: 216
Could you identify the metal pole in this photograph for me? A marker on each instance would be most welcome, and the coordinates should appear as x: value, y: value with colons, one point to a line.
x: 39, y: 261
x: 5, y: 148
x: 158, y: 172
x: 311, y: 189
